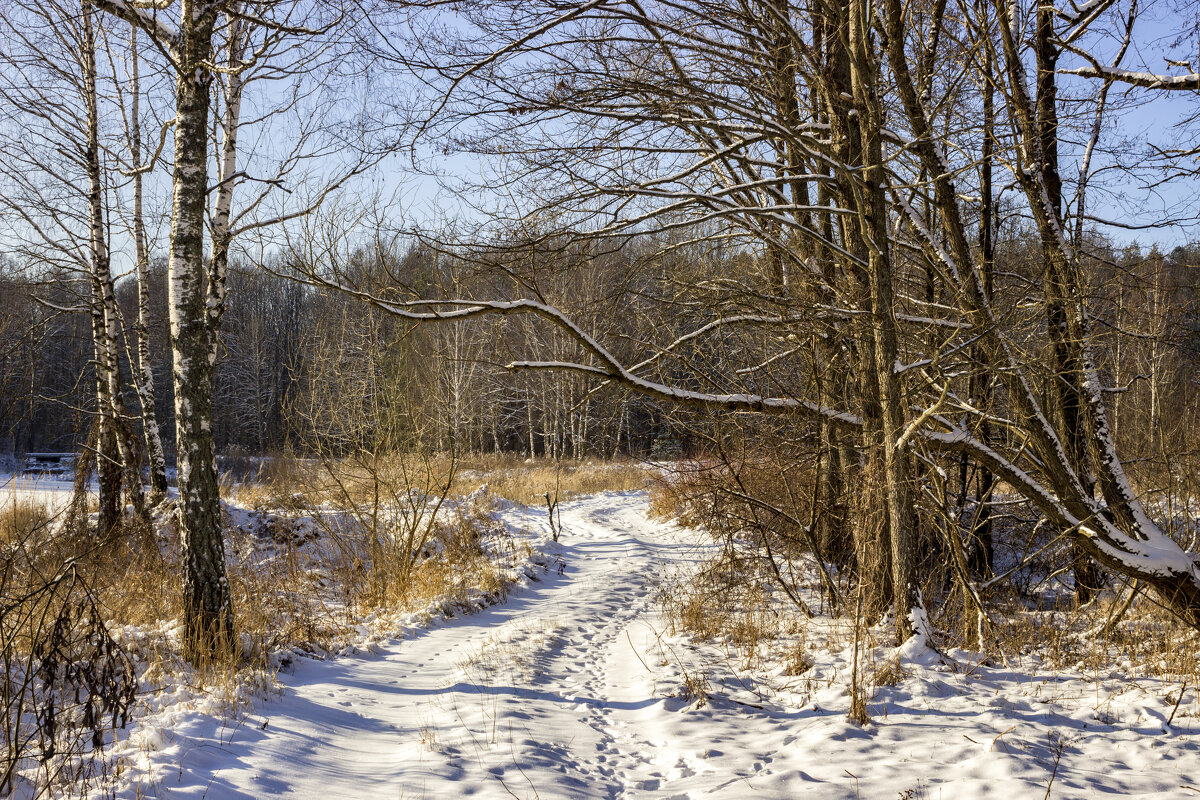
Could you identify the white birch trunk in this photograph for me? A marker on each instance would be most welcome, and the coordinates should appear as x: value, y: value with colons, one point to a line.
x: 114, y: 453
x: 208, y: 608
x: 145, y: 372
x: 222, y: 233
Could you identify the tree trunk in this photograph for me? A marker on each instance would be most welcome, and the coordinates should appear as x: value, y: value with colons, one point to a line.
x: 108, y: 458
x: 208, y: 608
x: 1066, y: 372
x: 872, y: 550
x: 145, y: 379
x: 981, y: 390
x: 872, y: 217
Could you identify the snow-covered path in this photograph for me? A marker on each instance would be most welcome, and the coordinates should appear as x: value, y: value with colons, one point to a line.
x: 568, y: 690
x: 541, y: 696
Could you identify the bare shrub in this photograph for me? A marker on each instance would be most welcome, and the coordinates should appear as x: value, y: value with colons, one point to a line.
x: 766, y: 499
x: 67, y: 681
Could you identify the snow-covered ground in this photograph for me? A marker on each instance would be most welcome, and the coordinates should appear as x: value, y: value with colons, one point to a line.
x: 572, y: 689
x: 54, y: 492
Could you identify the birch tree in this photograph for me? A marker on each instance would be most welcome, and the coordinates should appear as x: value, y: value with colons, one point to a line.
x: 208, y: 608
x: 61, y: 204
x: 139, y: 166
x: 220, y: 43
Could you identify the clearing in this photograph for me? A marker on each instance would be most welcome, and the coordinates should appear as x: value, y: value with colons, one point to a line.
x: 573, y: 689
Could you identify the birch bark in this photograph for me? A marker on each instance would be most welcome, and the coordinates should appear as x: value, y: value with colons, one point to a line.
x: 145, y: 377
x: 108, y: 467
x: 208, y: 607
x: 114, y: 453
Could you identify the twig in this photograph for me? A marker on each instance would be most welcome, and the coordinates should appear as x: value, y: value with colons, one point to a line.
x: 1059, y: 746
x: 1178, y: 700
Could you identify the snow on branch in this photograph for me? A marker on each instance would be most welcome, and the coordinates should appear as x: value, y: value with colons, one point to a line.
x: 145, y: 19
x: 1148, y: 80
x: 1152, y: 555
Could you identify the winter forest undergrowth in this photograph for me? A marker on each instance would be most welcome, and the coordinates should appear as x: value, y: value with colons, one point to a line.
x: 603, y: 399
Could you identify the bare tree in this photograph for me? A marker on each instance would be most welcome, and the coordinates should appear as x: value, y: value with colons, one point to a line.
x: 60, y: 204
x: 663, y: 122
x: 212, y: 39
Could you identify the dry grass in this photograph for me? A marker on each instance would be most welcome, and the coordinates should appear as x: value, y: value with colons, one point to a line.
x: 393, y: 534
x: 694, y: 611
x: 385, y: 543
x: 514, y: 478
x: 527, y: 482
x: 1149, y: 641
x: 723, y: 602
x: 720, y: 604
x: 388, y: 539
x: 890, y: 673
x: 311, y: 591
x: 858, y: 713
x: 20, y: 518
x: 695, y: 689
x: 797, y: 659
x: 460, y: 566
x: 512, y: 654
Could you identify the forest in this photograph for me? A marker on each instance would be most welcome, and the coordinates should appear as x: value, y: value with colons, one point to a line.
x: 373, y: 330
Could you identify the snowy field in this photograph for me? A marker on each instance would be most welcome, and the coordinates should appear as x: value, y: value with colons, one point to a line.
x: 53, y: 492
x: 573, y: 689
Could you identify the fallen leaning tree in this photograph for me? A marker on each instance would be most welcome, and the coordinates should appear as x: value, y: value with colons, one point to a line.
x: 1119, y: 535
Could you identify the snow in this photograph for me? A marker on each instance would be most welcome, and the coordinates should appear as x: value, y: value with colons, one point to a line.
x: 1148, y: 80
x: 574, y: 688
x: 146, y: 19
x: 52, y: 491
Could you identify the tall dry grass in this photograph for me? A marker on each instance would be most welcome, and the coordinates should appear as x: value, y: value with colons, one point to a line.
x: 527, y: 482
x: 293, y: 480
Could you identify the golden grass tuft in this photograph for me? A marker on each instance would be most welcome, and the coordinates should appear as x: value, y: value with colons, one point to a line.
x: 722, y: 602
x: 695, y: 689
x: 20, y: 519
x: 797, y: 660
x: 890, y: 673
x: 527, y: 482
